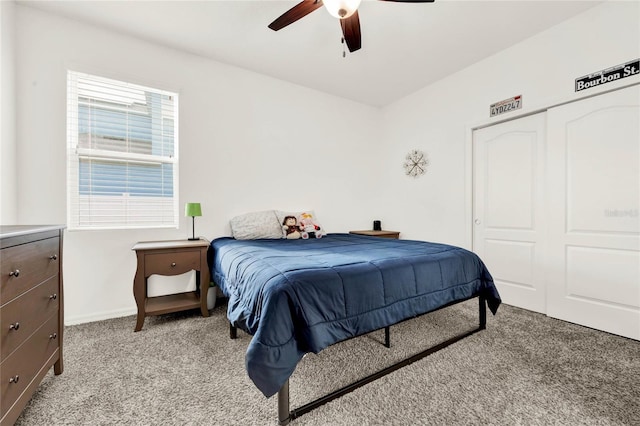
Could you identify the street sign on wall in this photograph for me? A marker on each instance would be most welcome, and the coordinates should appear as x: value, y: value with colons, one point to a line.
x: 608, y: 75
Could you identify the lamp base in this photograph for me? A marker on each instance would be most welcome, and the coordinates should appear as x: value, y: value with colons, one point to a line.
x: 193, y: 239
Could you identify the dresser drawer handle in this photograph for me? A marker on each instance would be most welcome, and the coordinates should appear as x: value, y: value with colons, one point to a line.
x: 53, y: 336
x: 54, y: 296
x: 14, y: 379
x: 15, y: 273
x: 53, y: 257
x: 173, y: 264
x: 15, y: 326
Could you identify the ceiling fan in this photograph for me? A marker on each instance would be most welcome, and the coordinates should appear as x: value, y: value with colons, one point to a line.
x: 345, y: 10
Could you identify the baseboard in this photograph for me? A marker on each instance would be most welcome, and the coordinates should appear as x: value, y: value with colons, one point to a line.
x: 99, y: 316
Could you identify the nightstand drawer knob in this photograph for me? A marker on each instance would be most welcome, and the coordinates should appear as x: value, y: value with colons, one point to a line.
x: 173, y: 264
x: 15, y: 273
x: 14, y: 379
x: 53, y: 336
x: 15, y: 326
x: 53, y: 257
x: 54, y: 296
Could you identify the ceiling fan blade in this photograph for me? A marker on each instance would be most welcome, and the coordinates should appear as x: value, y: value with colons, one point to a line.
x: 298, y: 11
x: 351, y: 32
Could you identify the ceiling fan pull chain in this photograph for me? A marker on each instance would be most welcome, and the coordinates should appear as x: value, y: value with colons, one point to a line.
x: 344, y: 53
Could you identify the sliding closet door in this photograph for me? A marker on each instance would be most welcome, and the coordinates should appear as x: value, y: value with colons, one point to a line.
x: 593, y: 212
x: 508, y: 164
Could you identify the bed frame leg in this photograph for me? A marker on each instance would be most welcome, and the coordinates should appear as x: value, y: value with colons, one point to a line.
x: 233, y: 331
x: 284, y: 416
x: 483, y: 312
x: 387, y: 337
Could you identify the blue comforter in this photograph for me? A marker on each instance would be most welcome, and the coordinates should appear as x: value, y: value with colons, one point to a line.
x: 299, y: 296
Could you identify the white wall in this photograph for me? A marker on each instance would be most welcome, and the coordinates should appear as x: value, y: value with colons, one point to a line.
x: 8, y: 195
x: 247, y: 142
x: 438, y: 119
x: 238, y: 130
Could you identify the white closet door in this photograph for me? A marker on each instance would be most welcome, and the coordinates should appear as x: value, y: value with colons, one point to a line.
x: 508, y: 162
x: 593, y: 212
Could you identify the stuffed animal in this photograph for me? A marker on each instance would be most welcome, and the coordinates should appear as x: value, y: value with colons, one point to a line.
x: 290, y: 228
x: 309, y: 228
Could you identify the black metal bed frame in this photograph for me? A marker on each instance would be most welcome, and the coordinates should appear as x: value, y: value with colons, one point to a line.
x: 286, y: 415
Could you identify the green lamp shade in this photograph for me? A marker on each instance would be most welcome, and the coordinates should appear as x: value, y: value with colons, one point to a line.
x: 192, y: 209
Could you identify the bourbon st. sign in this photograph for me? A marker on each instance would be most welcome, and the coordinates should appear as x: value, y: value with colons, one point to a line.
x: 608, y: 75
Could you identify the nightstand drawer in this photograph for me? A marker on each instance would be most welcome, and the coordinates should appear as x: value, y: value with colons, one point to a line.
x: 380, y: 234
x: 392, y: 235
x: 172, y: 263
x: 22, y: 316
x: 27, y: 265
x: 22, y: 366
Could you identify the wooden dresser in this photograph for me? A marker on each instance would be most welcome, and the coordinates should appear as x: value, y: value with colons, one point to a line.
x: 31, y: 313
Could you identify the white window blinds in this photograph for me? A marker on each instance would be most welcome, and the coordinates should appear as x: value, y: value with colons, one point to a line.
x: 122, y: 156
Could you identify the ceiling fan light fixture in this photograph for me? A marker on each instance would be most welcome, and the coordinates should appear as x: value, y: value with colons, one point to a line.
x: 341, y: 9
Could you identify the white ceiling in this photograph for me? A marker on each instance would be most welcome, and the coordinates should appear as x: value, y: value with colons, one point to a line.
x: 404, y: 46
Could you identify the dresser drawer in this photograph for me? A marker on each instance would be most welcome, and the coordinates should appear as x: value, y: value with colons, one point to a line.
x: 27, y: 265
x: 172, y: 263
x: 23, y: 315
x: 21, y: 367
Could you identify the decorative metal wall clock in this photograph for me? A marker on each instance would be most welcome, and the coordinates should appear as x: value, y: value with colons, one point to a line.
x: 416, y: 163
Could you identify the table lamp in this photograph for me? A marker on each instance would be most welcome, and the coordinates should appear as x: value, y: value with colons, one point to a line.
x: 193, y: 210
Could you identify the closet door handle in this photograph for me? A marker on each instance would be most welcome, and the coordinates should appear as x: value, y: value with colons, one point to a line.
x: 15, y: 273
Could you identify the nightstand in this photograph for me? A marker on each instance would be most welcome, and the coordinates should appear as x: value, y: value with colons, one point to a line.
x: 170, y: 258
x: 381, y: 234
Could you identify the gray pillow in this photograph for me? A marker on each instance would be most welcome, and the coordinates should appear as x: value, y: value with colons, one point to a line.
x: 256, y: 225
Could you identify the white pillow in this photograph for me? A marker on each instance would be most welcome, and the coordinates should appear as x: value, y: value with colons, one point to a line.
x: 256, y: 225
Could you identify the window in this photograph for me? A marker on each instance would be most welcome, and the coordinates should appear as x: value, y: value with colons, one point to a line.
x: 122, y: 155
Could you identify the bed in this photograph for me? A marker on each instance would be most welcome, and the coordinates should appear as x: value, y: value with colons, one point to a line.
x: 300, y: 296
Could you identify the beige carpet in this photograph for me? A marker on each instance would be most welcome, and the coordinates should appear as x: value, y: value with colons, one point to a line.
x: 182, y: 369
